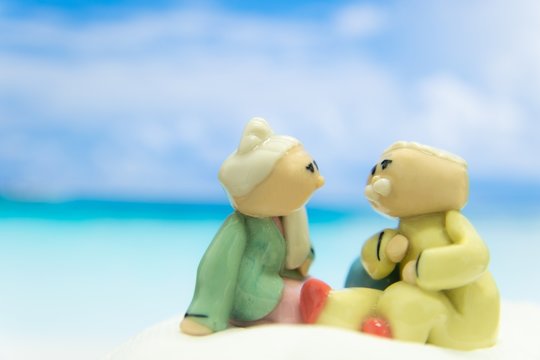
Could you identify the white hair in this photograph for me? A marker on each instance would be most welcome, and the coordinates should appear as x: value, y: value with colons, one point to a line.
x: 427, y: 150
x: 255, y: 158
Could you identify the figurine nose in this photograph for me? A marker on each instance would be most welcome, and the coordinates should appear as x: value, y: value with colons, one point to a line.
x: 320, y: 181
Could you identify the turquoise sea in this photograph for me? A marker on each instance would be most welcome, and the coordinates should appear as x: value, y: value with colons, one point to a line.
x: 78, y: 278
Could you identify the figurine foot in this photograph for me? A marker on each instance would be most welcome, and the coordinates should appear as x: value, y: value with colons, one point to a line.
x: 191, y: 327
x: 312, y: 299
x: 376, y: 326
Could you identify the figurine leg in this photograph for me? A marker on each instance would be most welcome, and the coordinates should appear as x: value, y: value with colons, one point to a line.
x: 287, y: 310
x: 412, y: 312
x: 465, y: 318
x: 474, y: 317
x: 348, y: 308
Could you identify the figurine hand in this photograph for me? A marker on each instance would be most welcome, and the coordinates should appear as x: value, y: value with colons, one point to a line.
x: 409, y: 273
x: 375, y: 259
x: 397, y: 248
x: 304, y: 268
x: 191, y: 327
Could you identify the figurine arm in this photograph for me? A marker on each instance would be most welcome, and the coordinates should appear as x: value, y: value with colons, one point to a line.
x: 217, y: 274
x: 382, y: 251
x: 455, y: 265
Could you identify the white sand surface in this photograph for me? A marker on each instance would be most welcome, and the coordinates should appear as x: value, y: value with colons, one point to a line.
x: 519, y: 339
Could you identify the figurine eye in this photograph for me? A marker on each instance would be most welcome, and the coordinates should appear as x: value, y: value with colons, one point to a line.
x: 373, y: 170
x: 317, y: 166
x: 310, y: 167
x: 385, y: 163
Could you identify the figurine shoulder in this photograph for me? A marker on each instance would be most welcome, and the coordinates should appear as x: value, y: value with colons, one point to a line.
x: 459, y: 228
x: 233, y: 226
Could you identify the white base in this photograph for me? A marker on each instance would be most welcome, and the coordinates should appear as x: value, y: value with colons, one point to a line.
x: 518, y: 340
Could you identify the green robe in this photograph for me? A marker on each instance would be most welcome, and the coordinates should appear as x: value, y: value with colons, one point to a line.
x: 241, y: 274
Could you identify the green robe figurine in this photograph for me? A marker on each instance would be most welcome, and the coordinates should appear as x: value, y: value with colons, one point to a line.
x: 240, y: 275
x: 253, y: 270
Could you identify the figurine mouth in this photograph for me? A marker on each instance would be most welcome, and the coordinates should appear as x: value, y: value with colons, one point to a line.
x: 375, y: 191
x: 371, y: 195
x: 379, y: 188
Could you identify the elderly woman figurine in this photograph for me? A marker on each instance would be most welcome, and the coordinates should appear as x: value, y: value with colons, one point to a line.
x: 254, y: 268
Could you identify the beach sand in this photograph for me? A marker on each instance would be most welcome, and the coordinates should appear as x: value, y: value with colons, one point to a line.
x: 518, y: 339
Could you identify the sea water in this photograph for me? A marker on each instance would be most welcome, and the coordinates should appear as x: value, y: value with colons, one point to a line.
x: 79, y: 278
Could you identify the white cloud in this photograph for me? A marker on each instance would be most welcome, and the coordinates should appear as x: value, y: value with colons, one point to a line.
x: 459, y: 117
x: 150, y: 105
x: 359, y: 20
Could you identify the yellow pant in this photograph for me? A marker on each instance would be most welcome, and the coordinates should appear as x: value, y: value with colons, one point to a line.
x: 464, y: 318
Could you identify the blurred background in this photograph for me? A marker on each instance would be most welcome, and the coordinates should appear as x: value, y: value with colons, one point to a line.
x: 116, y: 115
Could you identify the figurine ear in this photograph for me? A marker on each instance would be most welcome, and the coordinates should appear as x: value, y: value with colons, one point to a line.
x: 256, y: 132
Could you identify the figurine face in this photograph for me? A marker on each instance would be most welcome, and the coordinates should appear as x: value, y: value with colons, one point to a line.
x: 291, y: 183
x: 409, y: 181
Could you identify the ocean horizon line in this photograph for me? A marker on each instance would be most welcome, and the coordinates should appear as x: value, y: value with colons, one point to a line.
x: 486, y: 198
x: 192, y: 210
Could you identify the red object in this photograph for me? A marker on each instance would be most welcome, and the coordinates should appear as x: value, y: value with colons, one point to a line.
x: 312, y: 299
x: 377, y: 326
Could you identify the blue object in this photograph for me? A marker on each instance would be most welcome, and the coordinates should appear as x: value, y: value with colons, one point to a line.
x: 358, y: 277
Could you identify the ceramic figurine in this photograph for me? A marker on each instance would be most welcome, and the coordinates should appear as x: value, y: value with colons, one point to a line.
x: 253, y: 270
x: 427, y: 281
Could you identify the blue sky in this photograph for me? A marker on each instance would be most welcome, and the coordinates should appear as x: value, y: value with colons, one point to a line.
x: 144, y: 100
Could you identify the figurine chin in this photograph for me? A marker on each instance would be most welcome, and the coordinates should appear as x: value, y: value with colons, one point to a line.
x: 380, y: 209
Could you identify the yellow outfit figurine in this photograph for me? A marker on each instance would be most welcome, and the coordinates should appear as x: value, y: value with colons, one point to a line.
x: 444, y: 294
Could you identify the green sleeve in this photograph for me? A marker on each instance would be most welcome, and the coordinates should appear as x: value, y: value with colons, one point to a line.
x: 217, y: 275
x: 456, y: 265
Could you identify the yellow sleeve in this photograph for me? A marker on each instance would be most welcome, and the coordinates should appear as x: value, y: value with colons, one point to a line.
x: 374, y: 257
x: 456, y: 265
